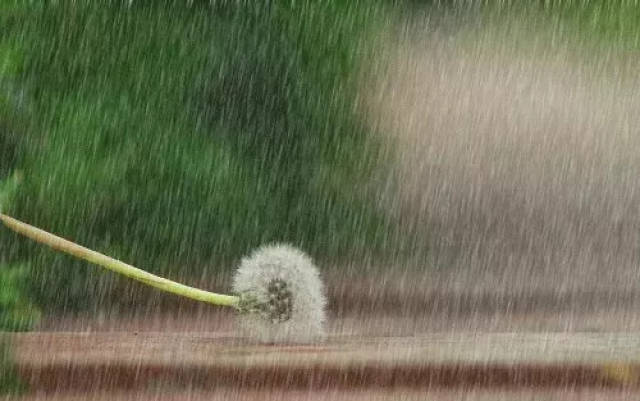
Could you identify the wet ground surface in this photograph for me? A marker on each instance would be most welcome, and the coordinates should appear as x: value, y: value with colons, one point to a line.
x: 519, y: 357
x: 339, y: 351
x: 440, y: 344
x: 359, y: 395
x: 215, y: 320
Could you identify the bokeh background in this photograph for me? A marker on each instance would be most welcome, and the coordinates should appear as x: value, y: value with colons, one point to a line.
x: 414, y: 149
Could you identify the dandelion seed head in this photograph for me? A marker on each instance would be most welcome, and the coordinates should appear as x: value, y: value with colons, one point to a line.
x: 287, y: 284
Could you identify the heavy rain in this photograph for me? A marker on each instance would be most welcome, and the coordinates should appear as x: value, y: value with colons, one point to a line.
x: 319, y: 200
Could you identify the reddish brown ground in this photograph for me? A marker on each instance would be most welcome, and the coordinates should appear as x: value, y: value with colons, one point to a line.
x: 161, y: 394
x: 358, y: 362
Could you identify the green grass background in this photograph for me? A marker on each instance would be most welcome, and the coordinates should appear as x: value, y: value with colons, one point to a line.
x: 180, y: 137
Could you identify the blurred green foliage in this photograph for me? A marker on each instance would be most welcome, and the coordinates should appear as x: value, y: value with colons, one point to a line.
x: 17, y: 313
x: 9, y: 189
x: 10, y: 383
x: 17, y: 310
x: 610, y: 24
x: 178, y: 137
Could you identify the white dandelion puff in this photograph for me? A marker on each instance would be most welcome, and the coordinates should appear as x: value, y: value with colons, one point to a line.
x: 278, y: 291
x: 286, y: 287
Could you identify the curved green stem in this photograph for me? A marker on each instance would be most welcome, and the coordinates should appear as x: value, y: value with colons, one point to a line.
x: 117, y: 266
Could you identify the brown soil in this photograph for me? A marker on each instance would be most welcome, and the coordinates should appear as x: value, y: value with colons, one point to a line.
x: 164, y: 394
x: 68, y: 362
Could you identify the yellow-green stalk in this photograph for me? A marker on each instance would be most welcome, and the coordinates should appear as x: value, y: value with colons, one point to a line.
x: 117, y: 266
x: 280, y: 293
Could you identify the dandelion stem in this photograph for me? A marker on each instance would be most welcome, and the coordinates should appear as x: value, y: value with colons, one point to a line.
x: 117, y: 266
